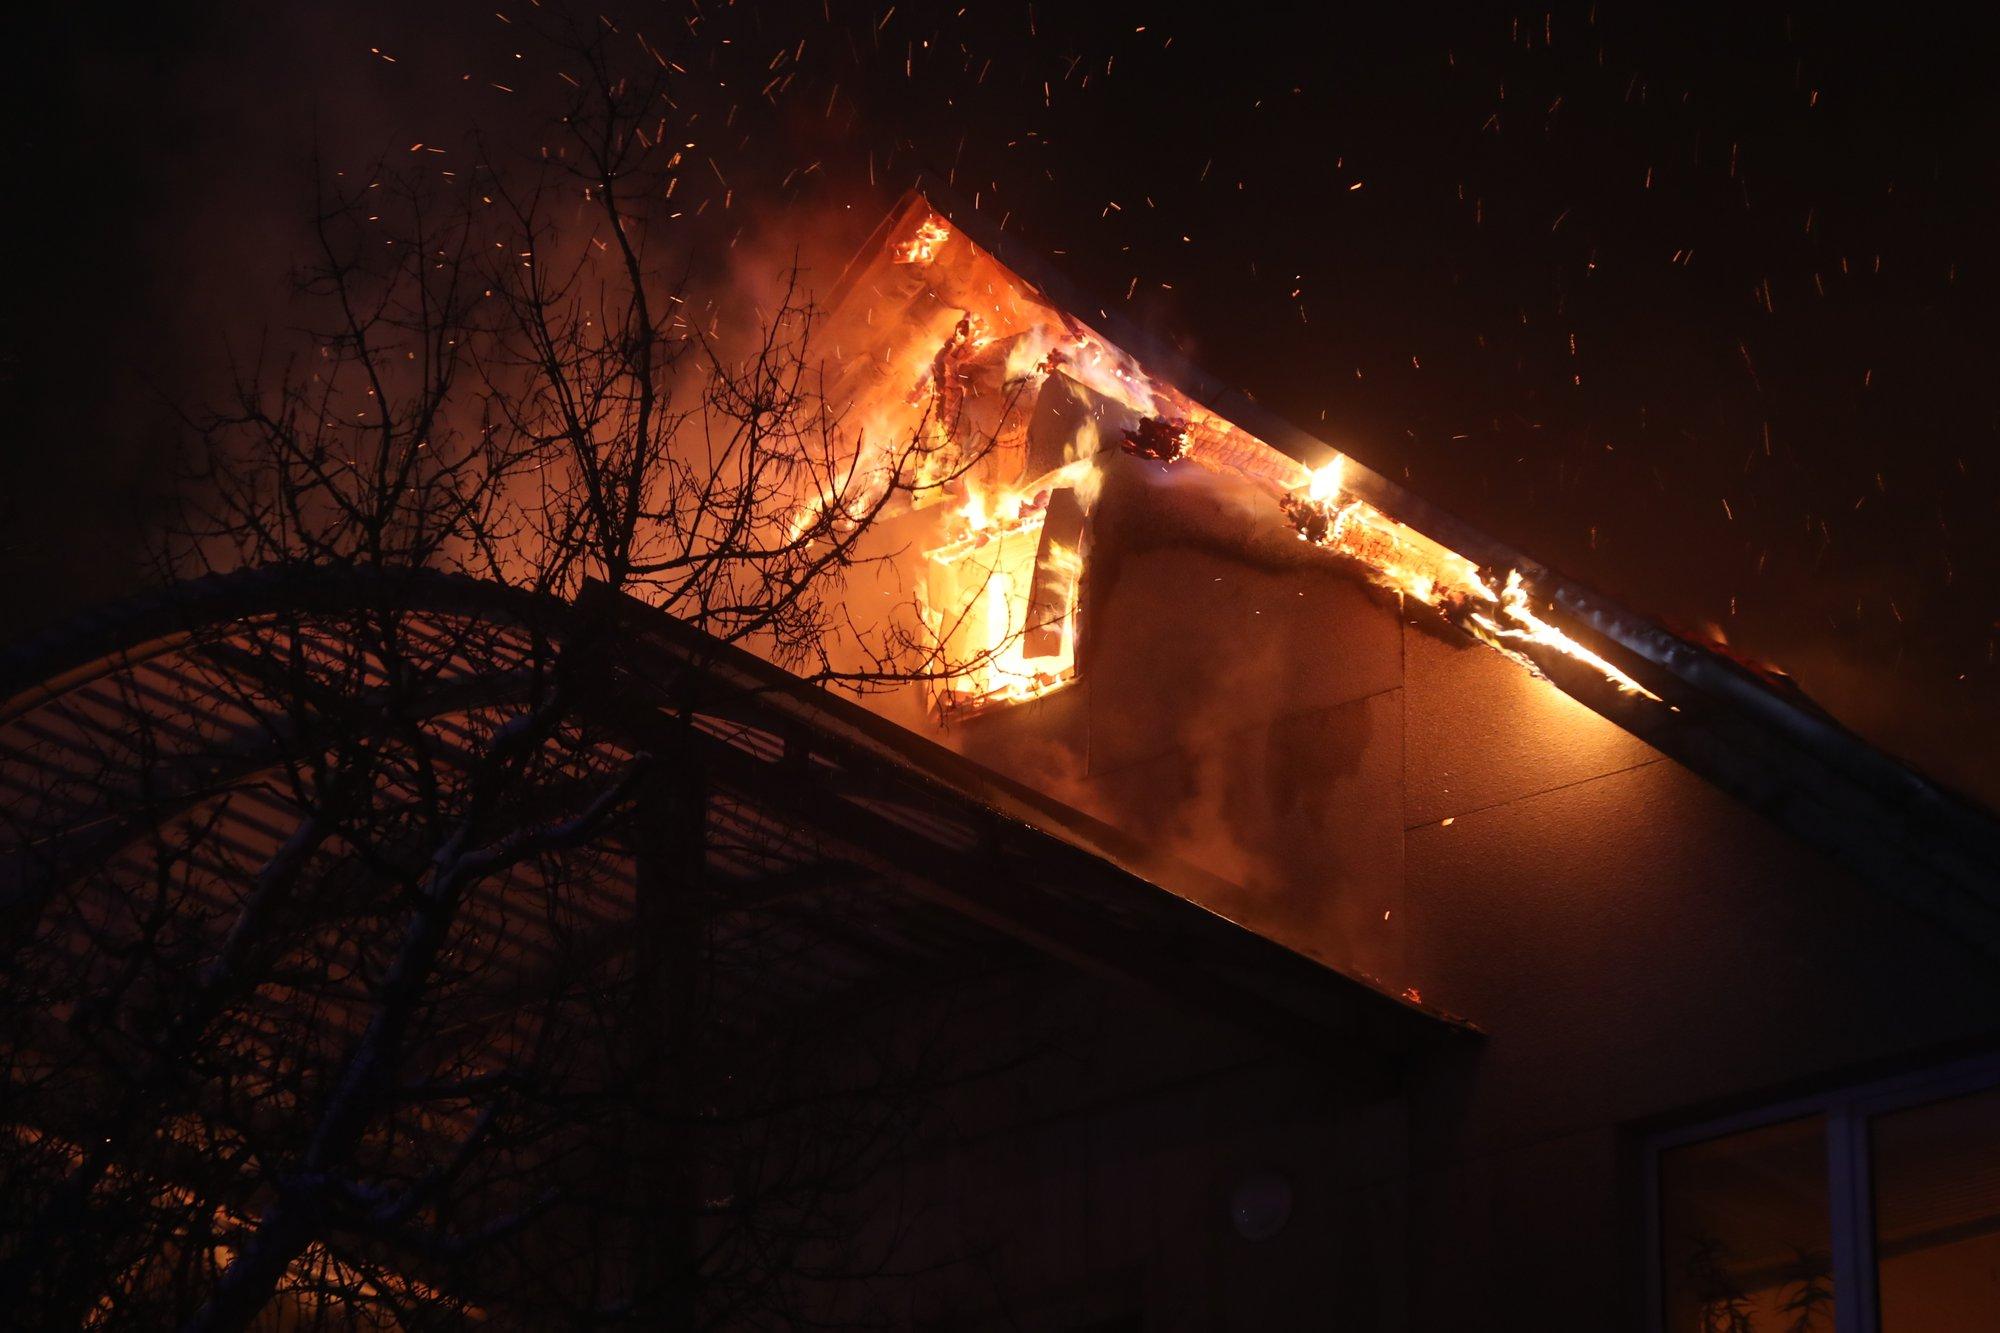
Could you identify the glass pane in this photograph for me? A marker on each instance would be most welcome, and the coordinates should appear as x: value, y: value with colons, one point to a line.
x: 1744, y: 1236
x: 1937, y: 1216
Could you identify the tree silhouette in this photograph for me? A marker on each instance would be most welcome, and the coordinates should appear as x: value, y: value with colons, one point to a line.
x: 360, y: 971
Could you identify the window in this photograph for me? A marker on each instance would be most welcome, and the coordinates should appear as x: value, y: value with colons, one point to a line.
x: 1937, y: 1214
x: 1870, y: 1211
x: 1746, y: 1241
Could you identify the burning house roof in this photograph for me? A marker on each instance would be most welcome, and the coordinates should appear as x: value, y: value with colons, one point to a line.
x: 944, y: 326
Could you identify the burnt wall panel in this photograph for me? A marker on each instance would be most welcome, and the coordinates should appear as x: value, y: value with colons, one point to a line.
x: 1302, y: 814
x: 1238, y: 708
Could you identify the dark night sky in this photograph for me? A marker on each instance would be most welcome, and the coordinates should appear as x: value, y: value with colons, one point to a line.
x: 1695, y: 305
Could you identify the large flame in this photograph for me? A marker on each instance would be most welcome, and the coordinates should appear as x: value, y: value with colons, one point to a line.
x: 997, y: 639
x: 923, y: 244
x: 954, y: 313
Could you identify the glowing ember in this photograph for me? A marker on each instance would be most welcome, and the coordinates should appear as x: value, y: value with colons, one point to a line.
x: 1157, y: 438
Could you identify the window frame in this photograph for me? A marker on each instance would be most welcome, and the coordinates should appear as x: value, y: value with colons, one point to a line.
x: 1849, y: 1112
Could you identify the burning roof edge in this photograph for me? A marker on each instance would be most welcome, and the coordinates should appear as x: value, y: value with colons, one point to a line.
x: 1933, y: 850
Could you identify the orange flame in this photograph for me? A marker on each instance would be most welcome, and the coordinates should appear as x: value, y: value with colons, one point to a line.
x: 1408, y: 562
x: 981, y: 580
x: 979, y: 594
x: 922, y: 247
